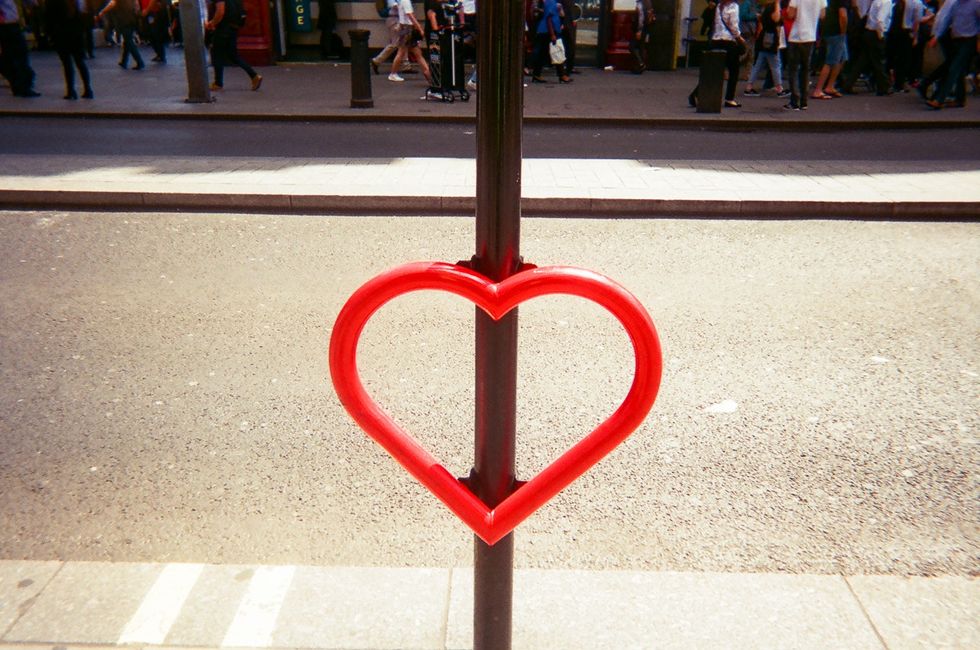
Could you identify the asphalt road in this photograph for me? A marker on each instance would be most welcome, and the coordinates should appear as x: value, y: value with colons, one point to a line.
x: 78, y: 136
x: 165, y: 394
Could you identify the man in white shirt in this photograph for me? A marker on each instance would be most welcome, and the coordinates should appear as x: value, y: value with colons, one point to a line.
x: 806, y: 15
x: 872, y: 55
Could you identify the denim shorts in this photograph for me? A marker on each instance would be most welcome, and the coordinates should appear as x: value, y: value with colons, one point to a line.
x: 836, y: 49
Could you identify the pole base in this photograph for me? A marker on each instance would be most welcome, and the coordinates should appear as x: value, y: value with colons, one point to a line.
x: 362, y: 103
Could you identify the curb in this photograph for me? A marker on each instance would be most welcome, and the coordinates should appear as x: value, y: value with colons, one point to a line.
x: 714, y: 123
x: 458, y: 206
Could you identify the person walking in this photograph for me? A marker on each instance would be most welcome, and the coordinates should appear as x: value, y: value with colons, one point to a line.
x: 727, y: 36
x: 961, y: 20
x: 65, y: 25
x: 391, y: 24
x: 877, y: 22
x: 806, y: 15
x: 767, y: 45
x: 548, y: 29
x: 410, y: 34
x: 833, y: 32
x: 157, y: 19
x: 643, y: 17
x: 125, y: 20
x: 227, y: 20
x: 900, y: 42
x: 15, y: 62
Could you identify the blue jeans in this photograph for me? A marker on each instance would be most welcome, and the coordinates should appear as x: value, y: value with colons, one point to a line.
x: 771, y: 59
x: 963, y: 49
x: 129, y: 47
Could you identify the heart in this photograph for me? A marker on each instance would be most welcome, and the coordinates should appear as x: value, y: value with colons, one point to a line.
x: 496, y: 299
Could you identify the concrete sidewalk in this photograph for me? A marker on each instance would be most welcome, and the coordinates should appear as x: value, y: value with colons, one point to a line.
x: 322, y: 92
x: 208, y: 606
x: 551, y: 187
x: 582, y: 187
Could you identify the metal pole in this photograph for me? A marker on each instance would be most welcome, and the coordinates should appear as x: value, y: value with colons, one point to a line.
x: 360, y: 69
x: 499, y: 111
x: 195, y: 54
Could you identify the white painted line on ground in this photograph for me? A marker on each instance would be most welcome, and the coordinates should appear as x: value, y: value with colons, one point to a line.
x: 161, y: 605
x: 258, y: 612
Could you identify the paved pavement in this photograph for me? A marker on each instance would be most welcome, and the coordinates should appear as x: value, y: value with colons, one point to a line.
x: 322, y: 92
x: 199, y: 605
x: 626, y: 187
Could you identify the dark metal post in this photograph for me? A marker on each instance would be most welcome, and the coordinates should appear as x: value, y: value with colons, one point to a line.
x: 499, y: 111
x: 195, y: 54
x: 360, y: 72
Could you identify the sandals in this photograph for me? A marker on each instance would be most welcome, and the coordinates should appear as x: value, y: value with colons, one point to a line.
x: 820, y: 95
x: 833, y: 93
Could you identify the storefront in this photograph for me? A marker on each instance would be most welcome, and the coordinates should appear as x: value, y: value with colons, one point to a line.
x: 602, y: 31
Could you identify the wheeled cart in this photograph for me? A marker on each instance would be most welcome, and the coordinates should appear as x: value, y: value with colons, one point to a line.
x: 447, y: 65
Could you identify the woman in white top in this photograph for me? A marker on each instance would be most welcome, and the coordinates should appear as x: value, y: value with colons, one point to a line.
x: 409, y: 36
x: 726, y: 36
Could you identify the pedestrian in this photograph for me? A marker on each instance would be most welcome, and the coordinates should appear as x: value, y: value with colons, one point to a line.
x: 224, y: 25
x: 726, y: 36
x: 806, y: 15
x: 65, y: 24
x: 470, y: 32
x: 409, y: 36
x: 768, y: 42
x: 546, y: 34
x: 569, y: 17
x: 15, y: 63
x: 156, y: 15
x: 961, y: 20
x: 125, y: 20
x: 390, y: 15
x: 900, y: 42
x: 326, y: 22
x: 872, y: 57
x: 643, y: 17
x: 748, y: 19
x: 833, y: 32
x: 708, y: 19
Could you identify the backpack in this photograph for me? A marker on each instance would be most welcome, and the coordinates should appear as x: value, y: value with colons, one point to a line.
x: 235, y: 13
x: 382, y: 8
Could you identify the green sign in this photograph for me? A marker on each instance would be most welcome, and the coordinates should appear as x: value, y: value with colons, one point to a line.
x: 300, y: 19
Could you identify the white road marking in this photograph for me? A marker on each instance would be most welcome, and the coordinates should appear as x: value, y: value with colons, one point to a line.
x: 258, y: 612
x: 162, y: 604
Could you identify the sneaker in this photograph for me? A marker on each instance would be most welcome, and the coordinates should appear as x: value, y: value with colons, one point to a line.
x: 215, y: 87
x: 394, y: 76
x: 471, y: 84
x: 783, y: 93
x: 791, y: 107
x: 752, y: 92
x: 256, y: 82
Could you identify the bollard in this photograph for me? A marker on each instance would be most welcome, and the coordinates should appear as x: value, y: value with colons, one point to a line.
x: 195, y: 53
x: 360, y: 69
x: 711, y: 78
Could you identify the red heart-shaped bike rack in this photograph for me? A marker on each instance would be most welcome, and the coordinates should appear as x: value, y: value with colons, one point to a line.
x: 496, y: 299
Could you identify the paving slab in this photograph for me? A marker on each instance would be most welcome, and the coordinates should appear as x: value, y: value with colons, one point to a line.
x: 87, y: 602
x: 20, y: 584
x: 618, y: 610
x: 918, y: 612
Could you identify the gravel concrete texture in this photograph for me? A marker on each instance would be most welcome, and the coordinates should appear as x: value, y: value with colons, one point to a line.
x: 166, y: 396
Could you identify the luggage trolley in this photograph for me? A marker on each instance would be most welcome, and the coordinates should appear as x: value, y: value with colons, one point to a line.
x: 446, y: 60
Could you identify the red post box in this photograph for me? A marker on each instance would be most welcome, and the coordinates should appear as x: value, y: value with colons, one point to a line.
x: 255, y: 37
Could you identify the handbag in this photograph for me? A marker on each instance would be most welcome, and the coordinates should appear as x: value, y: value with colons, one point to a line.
x: 557, y: 52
